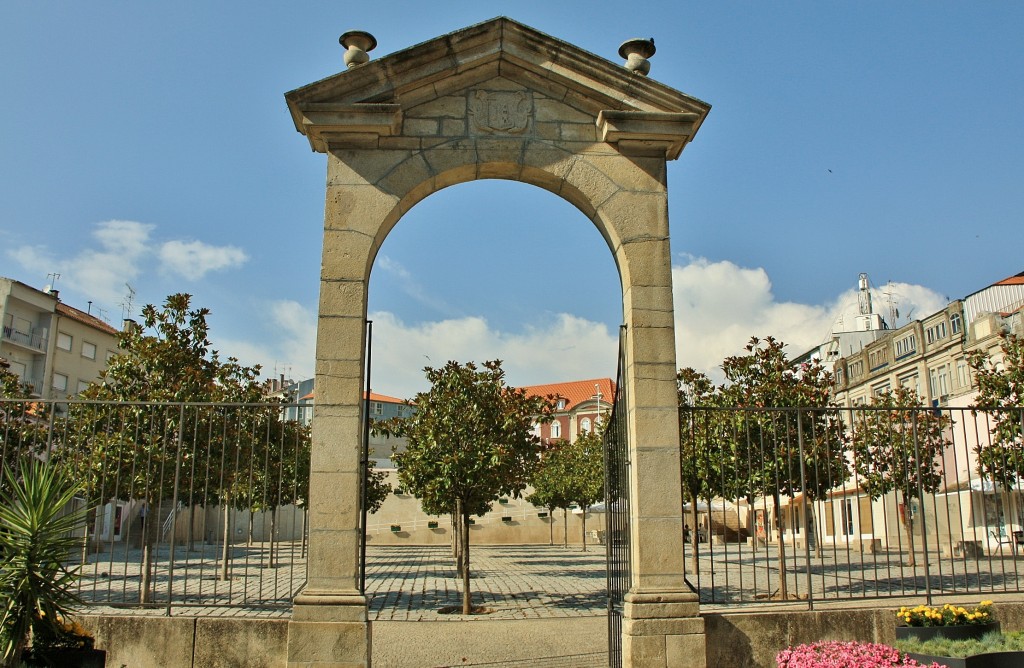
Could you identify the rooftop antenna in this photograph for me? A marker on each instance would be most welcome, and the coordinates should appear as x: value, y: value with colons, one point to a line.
x: 51, y: 282
x: 864, y: 295
x: 128, y: 305
x: 894, y: 311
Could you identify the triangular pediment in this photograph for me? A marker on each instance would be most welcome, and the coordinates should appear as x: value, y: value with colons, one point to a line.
x: 500, y: 54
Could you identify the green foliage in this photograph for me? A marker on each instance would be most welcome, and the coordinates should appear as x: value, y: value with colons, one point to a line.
x: 990, y: 642
x: 780, y: 434
x: 1000, y: 383
x: 37, y: 531
x: 470, y: 440
x: 377, y: 490
x: 570, y: 473
x: 899, y: 447
x: 784, y: 452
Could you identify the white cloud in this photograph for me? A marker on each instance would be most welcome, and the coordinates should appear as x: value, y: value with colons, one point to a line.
x: 569, y: 348
x: 99, y: 272
x: 720, y: 305
x: 195, y: 259
x: 119, y: 255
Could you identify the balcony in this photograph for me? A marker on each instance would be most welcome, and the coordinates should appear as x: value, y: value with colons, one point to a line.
x: 31, y: 340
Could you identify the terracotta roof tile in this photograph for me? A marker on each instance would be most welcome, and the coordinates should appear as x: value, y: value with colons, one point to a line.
x: 575, y: 392
x: 1017, y: 279
x: 374, y: 396
x: 85, y: 318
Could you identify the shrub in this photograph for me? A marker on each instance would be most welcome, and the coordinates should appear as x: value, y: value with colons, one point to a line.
x: 839, y: 654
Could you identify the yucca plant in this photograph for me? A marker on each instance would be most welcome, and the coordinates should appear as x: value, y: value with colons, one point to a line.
x: 37, y: 532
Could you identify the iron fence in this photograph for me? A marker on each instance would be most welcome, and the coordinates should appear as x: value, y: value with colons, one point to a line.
x: 189, y: 504
x: 616, y: 494
x: 839, y: 504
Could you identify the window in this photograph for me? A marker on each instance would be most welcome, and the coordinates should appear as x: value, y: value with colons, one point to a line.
x: 846, y: 522
x: 88, y: 350
x: 839, y: 377
x: 561, y: 405
x: 877, y: 390
x: 936, y: 332
x: 82, y: 386
x: 912, y: 382
x: 939, y: 378
x: 963, y: 376
x: 878, y: 358
x: 378, y: 408
x: 955, y: 323
x: 110, y: 355
x: 60, y: 382
x: 64, y: 341
x: 585, y: 425
x: 556, y: 429
x: 906, y: 346
x: 856, y: 369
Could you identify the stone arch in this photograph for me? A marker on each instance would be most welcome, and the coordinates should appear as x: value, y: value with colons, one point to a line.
x: 496, y: 101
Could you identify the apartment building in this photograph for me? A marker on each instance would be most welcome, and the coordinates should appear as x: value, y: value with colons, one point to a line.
x: 54, y: 348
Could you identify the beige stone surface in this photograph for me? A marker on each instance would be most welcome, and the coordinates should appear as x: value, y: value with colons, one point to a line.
x: 229, y: 643
x: 143, y: 642
x: 498, y: 100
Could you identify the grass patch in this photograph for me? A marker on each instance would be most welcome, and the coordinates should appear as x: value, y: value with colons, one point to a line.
x: 993, y: 642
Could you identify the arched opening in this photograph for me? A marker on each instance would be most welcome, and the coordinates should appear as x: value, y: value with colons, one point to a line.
x: 514, y: 273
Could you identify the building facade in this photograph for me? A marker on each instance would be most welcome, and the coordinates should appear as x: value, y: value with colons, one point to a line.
x: 56, y: 349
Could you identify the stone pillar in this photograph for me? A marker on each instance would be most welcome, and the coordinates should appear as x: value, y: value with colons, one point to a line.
x: 661, y: 626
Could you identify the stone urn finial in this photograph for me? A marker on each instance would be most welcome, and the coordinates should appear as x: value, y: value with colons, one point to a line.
x: 636, y: 51
x: 357, y: 43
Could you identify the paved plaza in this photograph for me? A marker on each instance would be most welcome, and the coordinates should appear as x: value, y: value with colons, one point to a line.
x: 512, y: 582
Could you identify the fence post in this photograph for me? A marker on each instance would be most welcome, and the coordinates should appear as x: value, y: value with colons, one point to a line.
x: 807, y: 498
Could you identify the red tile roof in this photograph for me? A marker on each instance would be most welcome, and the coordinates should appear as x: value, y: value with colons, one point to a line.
x: 1017, y: 279
x: 85, y: 318
x: 575, y: 392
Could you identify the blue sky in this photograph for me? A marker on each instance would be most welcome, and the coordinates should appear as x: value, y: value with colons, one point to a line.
x: 149, y: 144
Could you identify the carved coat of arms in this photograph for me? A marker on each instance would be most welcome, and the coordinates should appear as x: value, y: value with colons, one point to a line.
x: 500, y: 112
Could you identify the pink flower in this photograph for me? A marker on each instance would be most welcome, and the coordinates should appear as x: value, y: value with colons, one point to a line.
x: 839, y: 654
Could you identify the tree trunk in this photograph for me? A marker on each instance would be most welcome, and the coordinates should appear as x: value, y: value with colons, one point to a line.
x: 467, y: 598
x: 457, y: 525
x: 783, y: 589
x: 190, y: 541
x: 551, y: 526
x: 248, y: 541
x: 225, y: 549
x: 565, y: 527
x: 695, y: 537
x: 150, y: 532
x: 273, y: 530
x: 908, y: 527
x: 584, y: 528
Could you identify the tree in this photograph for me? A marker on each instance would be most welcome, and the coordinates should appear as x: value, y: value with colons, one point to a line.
x: 708, y: 447
x: 470, y: 441
x: 181, y: 451
x: 1000, y: 383
x: 549, y: 490
x: 898, y: 448
x: 790, y: 441
x: 23, y: 422
x: 584, y: 471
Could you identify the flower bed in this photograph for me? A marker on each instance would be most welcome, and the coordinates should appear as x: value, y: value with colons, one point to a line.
x: 840, y: 654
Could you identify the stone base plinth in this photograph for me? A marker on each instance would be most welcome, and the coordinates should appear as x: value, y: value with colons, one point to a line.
x: 663, y: 630
x: 329, y: 631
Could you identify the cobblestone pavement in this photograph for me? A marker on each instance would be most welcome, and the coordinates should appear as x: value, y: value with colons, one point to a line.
x: 403, y: 583
x: 412, y: 583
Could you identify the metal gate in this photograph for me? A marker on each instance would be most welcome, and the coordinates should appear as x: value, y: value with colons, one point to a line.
x: 616, y: 495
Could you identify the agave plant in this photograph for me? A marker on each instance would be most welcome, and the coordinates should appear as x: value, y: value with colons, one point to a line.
x: 37, y: 532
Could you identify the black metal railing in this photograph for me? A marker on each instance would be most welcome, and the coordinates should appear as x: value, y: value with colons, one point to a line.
x: 616, y: 494
x: 807, y: 505
x: 189, y: 504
